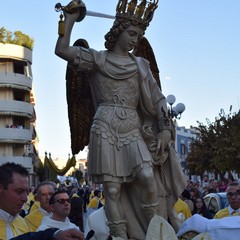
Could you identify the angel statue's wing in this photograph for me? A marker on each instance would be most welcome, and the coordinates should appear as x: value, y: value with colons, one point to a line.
x: 144, y: 50
x: 80, y: 105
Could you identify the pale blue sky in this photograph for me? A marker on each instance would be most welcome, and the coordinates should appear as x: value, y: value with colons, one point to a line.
x: 196, y: 43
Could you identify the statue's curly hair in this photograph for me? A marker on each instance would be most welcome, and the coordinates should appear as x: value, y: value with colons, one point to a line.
x: 119, y: 26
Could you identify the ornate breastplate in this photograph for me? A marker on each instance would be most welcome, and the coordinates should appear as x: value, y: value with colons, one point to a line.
x: 117, y: 102
x: 119, y: 92
x: 116, y: 117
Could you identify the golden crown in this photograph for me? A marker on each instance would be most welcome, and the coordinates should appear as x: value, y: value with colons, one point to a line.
x: 141, y: 11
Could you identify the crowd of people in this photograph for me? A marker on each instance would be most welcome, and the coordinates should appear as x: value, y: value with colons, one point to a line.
x: 14, y: 189
x: 34, y: 211
x: 192, y: 198
x: 56, y: 212
x: 201, y: 189
x: 76, y: 205
x: 203, y: 221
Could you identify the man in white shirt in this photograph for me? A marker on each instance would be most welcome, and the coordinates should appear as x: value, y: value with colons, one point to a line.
x: 60, y: 207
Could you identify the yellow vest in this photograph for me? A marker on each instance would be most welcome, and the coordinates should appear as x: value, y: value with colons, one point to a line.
x: 31, y: 198
x: 35, y: 206
x: 93, y: 203
x: 34, y: 220
x: 102, y: 200
x: 75, y: 195
x: 181, y: 207
x: 18, y: 226
x: 91, y: 194
x: 222, y: 213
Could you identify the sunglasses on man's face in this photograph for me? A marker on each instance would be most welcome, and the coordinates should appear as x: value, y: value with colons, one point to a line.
x: 62, y: 201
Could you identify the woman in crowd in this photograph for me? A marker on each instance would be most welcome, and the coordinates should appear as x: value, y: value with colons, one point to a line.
x: 200, y: 208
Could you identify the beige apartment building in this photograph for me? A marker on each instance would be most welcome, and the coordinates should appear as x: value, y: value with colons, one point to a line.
x: 18, y: 137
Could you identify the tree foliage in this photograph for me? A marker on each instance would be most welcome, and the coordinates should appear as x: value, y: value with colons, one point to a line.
x: 16, y: 37
x: 217, y: 148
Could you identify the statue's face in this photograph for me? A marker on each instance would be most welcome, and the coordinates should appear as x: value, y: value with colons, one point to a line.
x: 128, y: 39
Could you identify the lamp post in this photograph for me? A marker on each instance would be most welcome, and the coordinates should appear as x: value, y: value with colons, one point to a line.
x: 175, y: 111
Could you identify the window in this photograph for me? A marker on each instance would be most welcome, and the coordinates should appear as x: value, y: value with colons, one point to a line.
x: 19, y: 67
x: 183, y: 148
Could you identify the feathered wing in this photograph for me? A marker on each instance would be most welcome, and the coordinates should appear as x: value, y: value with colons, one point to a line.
x: 144, y: 50
x: 80, y: 105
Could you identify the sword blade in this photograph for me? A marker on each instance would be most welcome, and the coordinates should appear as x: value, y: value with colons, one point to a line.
x: 97, y: 14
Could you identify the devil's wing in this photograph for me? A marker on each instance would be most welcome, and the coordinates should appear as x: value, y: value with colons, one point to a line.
x: 80, y: 105
x: 144, y: 50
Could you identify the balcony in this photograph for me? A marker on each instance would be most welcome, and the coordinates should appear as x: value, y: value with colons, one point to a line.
x: 15, y: 80
x: 15, y: 135
x: 16, y: 108
x: 24, y: 161
x: 15, y: 52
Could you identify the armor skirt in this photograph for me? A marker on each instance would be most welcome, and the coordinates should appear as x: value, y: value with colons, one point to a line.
x: 116, y: 157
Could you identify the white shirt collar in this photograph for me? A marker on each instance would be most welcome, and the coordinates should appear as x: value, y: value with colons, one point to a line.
x: 44, y: 212
x: 6, y: 217
x: 231, y: 210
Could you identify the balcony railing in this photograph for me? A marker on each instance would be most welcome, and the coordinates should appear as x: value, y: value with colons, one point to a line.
x: 16, y: 108
x: 15, y: 80
x: 15, y: 135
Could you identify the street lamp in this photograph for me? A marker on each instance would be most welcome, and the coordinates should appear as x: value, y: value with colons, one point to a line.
x: 176, y: 111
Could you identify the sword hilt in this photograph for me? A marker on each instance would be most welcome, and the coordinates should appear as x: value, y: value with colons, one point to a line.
x: 72, y: 7
x: 75, y: 5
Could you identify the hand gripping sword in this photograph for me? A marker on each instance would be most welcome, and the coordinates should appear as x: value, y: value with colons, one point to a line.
x: 76, y: 5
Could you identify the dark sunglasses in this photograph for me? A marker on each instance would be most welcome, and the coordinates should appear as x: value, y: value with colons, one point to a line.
x: 62, y: 201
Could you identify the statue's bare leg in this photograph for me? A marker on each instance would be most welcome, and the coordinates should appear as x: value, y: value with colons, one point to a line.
x: 113, y: 209
x: 150, y: 204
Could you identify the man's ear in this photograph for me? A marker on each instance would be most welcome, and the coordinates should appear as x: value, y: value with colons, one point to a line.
x: 51, y: 208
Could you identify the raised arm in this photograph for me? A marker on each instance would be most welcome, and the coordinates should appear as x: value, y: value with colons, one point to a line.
x: 63, y: 48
